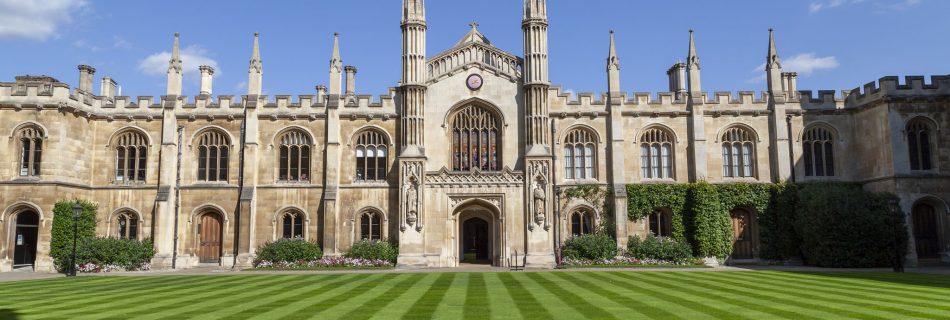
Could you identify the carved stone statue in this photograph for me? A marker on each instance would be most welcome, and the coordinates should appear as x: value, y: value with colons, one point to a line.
x: 539, y: 201
x: 412, y: 200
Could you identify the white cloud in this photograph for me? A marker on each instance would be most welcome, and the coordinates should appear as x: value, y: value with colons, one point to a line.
x: 882, y: 6
x: 35, y: 19
x: 191, y: 58
x: 83, y: 44
x: 120, y: 43
x: 805, y: 64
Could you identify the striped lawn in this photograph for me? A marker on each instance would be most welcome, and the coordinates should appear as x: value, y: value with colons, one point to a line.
x: 541, y: 295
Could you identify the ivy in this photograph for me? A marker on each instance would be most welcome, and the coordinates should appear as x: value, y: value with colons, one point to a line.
x: 596, y: 196
x: 643, y: 199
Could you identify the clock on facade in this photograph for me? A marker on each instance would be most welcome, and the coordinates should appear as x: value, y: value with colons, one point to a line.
x: 474, y: 82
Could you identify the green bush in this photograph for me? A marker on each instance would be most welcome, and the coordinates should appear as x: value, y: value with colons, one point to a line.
x: 373, y: 250
x: 598, y: 246
x: 61, y: 242
x: 659, y: 248
x: 643, y: 199
x: 129, y: 254
x: 844, y: 226
x: 289, y: 250
x: 709, y: 225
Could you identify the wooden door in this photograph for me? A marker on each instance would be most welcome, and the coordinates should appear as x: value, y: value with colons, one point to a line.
x: 743, y: 244
x: 209, y: 238
x: 925, y: 231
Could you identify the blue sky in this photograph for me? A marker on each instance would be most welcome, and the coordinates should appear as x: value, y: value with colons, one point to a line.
x: 833, y: 44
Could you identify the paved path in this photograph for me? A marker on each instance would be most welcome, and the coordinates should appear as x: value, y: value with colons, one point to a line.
x: 206, y: 271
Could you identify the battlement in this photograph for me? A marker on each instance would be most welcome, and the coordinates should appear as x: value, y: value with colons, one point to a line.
x: 892, y: 87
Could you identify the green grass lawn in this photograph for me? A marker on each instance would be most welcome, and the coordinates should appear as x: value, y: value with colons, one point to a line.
x: 546, y: 295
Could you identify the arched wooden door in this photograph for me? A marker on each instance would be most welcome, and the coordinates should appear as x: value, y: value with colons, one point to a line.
x: 24, y: 241
x: 743, y: 234
x: 209, y: 238
x: 925, y: 231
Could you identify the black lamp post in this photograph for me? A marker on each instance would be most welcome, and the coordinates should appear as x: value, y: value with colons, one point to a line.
x: 77, y: 212
x: 898, y: 257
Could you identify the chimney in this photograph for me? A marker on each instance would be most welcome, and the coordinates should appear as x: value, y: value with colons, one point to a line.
x: 321, y: 94
x: 791, y: 83
x: 206, y: 73
x: 350, y: 80
x: 677, y: 78
x: 85, y: 78
x: 108, y: 88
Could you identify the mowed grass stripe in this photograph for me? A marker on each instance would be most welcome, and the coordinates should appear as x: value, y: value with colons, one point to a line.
x: 181, y: 293
x: 40, y: 296
x: 426, y: 305
x: 528, y: 305
x: 320, y: 285
x: 504, y: 306
x: 453, y: 302
x: 689, y: 296
x: 775, y: 308
x: 571, y: 299
x: 868, y: 286
x: 356, y: 297
x: 129, y: 295
x: 476, y: 298
x: 685, y: 306
x: 831, y: 296
x: 313, y: 305
x: 400, y: 306
x: 222, y: 299
x: 383, y: 299
x: 54, y: 285
x: 753, y: 291
x: 899, y: 300
x: 632, y: 305
x: 925, y: 282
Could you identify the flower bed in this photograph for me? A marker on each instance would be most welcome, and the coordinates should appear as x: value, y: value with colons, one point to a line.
x: 325, y: 264
x: 92, y: 267
x: 627, y: 262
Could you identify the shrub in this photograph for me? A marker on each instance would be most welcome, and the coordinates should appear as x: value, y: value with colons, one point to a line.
x: 709, y: 225
x: 61, y: 242
x: 844, y: 226
x: 598, y: 246
x: 126, y: 254
x: 290, y: 250
x: 659, y: 248
x: 373, y: 250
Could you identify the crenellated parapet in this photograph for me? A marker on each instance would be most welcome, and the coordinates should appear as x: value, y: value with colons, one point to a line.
x: 891, y: 88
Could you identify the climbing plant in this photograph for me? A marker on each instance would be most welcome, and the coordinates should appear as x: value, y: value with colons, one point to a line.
x: 643, y: 199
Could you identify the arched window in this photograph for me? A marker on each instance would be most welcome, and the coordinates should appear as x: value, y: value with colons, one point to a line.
x: 738, y: 153
x: 582, y: 222
x: 294, y: 157
x: 661, y: 223
x: 371, y: 156
x: 131, y: 148
x: 292, y: 225
x: 213, y: 153
x: 580, y: 150
x: 920, y: 145
x: 818, y: 151
x: 370, y: 227
x: 31, y: 151
x: 656, y: 154
x: 475, y: 139
x: 126, y: 225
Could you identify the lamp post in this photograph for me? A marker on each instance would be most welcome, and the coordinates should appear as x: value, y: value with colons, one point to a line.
x: 898, y: 257
x: 77, y: 211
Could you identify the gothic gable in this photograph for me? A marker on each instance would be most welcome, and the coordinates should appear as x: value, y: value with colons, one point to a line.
x: 474, y: 50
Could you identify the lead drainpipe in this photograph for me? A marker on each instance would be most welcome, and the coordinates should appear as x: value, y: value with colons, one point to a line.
x: 557, y: 198
x: 791, y: 148
x: 240, y: 185
x: 181, y: 129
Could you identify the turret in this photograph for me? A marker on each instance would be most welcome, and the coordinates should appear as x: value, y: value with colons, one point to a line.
x: 535, y: 27
x: 677, y: 77
x: 255, y: 71
x: 336, y: 67
x: 174, y: 70
x: 414, y: 42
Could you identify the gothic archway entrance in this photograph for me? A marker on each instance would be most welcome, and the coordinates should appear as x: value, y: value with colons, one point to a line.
x: 24, y: 241
x: 209, y: 238
x: 925, y: 231
x: 477, y: 239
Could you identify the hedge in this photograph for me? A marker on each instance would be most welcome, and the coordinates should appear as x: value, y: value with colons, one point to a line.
x: 61, y: 242
x: 598, y: 246
x: 289, y: 250
x: 127, y: 254
x: 373, y: 250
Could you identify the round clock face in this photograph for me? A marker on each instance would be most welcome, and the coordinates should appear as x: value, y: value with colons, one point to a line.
x: 474, y: 82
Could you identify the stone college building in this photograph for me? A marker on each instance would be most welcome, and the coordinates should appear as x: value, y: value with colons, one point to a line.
x: 465, y: 156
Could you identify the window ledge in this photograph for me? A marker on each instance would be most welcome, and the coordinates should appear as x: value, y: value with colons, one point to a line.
x: 740, y: 179
x: 294, y: 183
x: 655, y: 180
x: 212, y: 184
x: 128, y: 184
x: 26, y: 179
x: 578, y: 182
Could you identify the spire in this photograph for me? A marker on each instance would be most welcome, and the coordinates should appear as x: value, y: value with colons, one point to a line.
x: 613, y: 67
x: 773, y: 66
x: 692, y: 69
x: 414, y: 11
x: 473, y: 36
x: 174, y: 70
x: 255, y: 71
x: 336, y: 67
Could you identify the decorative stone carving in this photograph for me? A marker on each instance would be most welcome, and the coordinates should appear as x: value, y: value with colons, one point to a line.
x: 538, y: 170
x: 455, y: 201
x: 446, y: 178
x: 410, y: 209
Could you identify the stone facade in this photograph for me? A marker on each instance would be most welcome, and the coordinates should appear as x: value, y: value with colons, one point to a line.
x: 344, y: 166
